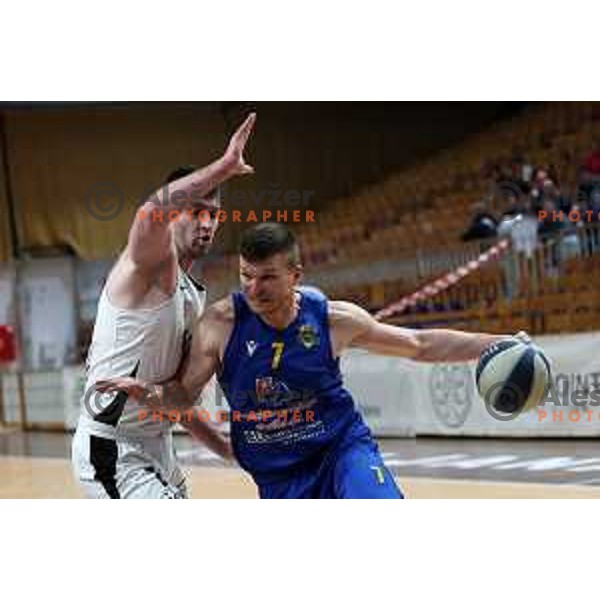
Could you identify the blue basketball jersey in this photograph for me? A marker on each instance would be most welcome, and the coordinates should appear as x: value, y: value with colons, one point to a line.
x: 285, y: 390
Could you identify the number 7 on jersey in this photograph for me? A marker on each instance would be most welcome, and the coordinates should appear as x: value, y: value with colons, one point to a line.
x: 277, y: 352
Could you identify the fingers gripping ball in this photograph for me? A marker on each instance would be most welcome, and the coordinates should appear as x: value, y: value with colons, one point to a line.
x: 512, y: 376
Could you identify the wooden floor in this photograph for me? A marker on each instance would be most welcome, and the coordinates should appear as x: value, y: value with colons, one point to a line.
x: 27, y: 477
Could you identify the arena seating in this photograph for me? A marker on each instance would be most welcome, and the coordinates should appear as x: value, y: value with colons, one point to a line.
x: 425, y: 208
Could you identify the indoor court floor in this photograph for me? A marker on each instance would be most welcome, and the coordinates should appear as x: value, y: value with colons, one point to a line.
x: 36, y: 465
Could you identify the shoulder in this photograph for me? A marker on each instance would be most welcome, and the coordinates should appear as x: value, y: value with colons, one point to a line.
x: 347, y: 322
x: 342, y: 312
x: 312, y: 292
x: 313, y: 297
x: 124, y: 286
x: 132, y: 286
x: 221, y: 312
x: 214, y: 327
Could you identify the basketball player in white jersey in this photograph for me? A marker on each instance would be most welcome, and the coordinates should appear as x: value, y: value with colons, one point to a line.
x: 145, y: 318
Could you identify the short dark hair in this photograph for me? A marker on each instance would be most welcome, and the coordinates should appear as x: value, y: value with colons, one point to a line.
x: 265, y: 240
x: 184, y: 171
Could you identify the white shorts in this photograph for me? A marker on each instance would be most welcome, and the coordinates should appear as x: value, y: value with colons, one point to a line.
x: 107, y: 466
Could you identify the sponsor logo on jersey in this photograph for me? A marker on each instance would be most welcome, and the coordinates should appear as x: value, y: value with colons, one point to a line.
x: 272, y: 390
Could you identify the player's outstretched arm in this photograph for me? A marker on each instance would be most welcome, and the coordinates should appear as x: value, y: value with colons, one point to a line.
x: 354, y: 327
x: 208, y: 434
x: 150, y: 239
x: 179, y: 393
x: 203, y: 362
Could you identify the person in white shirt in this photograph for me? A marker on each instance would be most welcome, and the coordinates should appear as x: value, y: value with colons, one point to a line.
x: 146, y: 314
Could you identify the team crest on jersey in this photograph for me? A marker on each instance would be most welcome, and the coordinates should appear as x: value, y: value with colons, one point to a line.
x: 307, y: 336
x: 251, y: 347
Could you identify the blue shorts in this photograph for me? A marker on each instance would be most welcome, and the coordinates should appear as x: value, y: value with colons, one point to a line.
x: 353, y: 469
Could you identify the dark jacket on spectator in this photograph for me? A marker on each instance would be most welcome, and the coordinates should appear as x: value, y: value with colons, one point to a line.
x: 483, y: 226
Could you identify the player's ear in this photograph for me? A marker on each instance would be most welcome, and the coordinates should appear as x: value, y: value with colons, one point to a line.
x: 298, y: 273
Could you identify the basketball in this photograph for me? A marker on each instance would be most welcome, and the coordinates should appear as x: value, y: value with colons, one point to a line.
x: 512, y: 376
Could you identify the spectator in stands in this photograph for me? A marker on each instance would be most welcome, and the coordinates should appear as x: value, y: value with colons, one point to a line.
x: 551, y: 201
x: 544, y: 185
x: 519, y: 223
x: 559, y: 235
x: 539, y: 178
x: 521, y: 172
x: 514, y: 176
x: 589, y: 172
x: 589, y: 193
x: 483, y: 224
x: 591, y: 235
x: 512, y: 202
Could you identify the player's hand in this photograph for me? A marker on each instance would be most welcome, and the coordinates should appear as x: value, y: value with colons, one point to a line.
x: 134, y: 388
x: 234, y: 155
x: 225, y: 451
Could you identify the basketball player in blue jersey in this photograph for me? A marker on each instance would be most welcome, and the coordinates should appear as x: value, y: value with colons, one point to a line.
x: 275, y: 348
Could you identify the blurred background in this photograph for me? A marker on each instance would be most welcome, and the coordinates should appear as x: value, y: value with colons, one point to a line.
x: 403, y: 194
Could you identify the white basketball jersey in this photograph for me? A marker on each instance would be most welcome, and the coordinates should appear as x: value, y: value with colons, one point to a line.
x: 146, y: 343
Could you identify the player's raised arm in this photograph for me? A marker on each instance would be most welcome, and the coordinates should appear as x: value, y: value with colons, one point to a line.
x: 150, y: 240
x: 353, y: 326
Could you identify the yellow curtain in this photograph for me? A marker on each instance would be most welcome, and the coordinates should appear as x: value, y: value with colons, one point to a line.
x: 5, y: 240
x: 59, y: 157
x: 65, y: 166
x: 321, y: 151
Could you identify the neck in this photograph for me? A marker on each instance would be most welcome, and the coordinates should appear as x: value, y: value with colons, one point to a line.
x: 185, y: 262
x: 281, y: 317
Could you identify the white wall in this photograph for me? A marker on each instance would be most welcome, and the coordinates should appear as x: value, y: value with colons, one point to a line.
x: 398, y: 397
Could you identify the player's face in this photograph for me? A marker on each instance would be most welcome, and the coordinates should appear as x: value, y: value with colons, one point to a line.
x: 195, y: 230
x: 269, y: 285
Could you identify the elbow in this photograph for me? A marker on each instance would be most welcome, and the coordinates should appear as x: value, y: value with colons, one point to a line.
x: 152, y: 213
x: 421, y: 348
